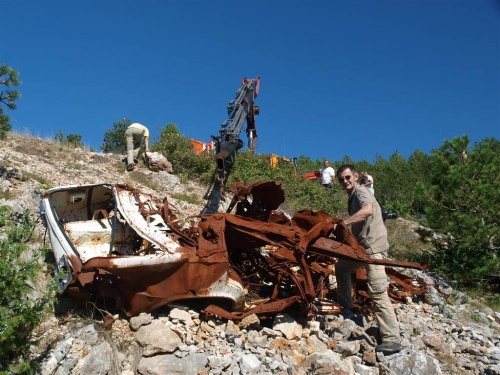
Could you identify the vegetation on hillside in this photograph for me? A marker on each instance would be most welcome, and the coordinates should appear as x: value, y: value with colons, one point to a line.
x: 453, y: 191
x: 300, y: 193
x: 72, y: 139
x: 8, y: 78
x: 114, y: 139
x: 21, y: 308
x: 462, y: 202
x: 179, y: 151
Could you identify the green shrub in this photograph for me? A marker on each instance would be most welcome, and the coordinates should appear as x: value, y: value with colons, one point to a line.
x: 8, y: 78
x: 462, y: 198
x: 179, y: 151
x: 73, y: 140
x: 300, y: 194
x: 114, y: 139
x: 19, y: 313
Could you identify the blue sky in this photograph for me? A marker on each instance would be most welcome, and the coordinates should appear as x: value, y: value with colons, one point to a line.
x: 357, y: 78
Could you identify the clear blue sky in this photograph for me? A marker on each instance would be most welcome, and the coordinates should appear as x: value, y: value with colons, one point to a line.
x: 355, y: 78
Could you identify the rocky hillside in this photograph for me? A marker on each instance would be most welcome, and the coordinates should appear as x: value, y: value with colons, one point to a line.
x: 445, y: 332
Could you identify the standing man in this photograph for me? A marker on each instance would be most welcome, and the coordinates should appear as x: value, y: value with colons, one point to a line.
x: 134, y: 135
x: 327, y: 174
x: 369, y: 182
x: 369, y: 229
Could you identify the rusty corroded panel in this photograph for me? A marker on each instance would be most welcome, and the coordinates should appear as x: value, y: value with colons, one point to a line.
x: 299, y: 253
x: 257, y: 258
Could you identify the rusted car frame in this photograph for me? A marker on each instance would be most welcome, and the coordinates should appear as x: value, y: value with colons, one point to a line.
x: 115, y: 242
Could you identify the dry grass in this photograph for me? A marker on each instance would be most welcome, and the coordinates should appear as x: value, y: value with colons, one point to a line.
x: 405, y: 243
x: 142, y: 179
x: 50, y: 152
x: 189, y: 198
x: 45, y: 184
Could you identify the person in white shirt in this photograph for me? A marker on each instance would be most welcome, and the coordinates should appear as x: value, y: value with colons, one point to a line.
x: 369, y: 182
x: 327, y: 175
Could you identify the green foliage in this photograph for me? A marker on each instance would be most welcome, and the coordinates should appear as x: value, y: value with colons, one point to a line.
x: 114, y: 139
x: 19, y: 312
x: 189, y: 198
x: 300, y: 194
x: 46, y: 184
x: 142, y: 179
x: 8, y: 77
x: 462, y: 198
x: 250, y: 168
x: 405, y: 243
x: 395, y: 180
x: 454, y: 187
x: 73, y: 140
x: 59, y: 137
x: 347, y: 160
x: 420, y: 165
x: 394, y: 183
x: 491, y: 299
x: 179, y: 151
x: 364, y: 166
x: 306, y: 165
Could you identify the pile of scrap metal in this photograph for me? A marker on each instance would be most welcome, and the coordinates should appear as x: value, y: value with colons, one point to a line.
x: 112, y: 241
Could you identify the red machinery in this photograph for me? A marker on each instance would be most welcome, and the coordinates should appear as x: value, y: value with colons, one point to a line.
x: 312, y: 175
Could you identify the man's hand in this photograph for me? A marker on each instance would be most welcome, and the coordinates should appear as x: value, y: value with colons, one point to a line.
x: 340, y: 222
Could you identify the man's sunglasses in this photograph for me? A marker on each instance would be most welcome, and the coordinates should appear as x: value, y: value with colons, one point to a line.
x: 347, y: 178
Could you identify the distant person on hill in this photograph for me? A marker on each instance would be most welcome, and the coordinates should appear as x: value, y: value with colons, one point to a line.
x: 367, y: 181
x: 327, y: 174
x: 134, y: 135
x: 369, y: 229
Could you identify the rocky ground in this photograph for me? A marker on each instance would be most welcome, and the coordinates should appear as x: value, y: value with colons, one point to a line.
x: 446, y: 332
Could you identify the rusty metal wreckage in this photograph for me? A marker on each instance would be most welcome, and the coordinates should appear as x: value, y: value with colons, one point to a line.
x: 300, y: 255
x: 142, y: 256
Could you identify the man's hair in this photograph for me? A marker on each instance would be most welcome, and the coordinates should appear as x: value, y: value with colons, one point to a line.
x: 343, y: 167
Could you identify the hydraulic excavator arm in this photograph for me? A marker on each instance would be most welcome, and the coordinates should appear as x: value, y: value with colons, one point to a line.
x: 240, y: 110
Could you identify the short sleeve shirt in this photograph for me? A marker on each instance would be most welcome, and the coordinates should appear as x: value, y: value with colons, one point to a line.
x: 327, y: 175
x: 144, y: 130
x: 370, y: 233
x: 370, y: 186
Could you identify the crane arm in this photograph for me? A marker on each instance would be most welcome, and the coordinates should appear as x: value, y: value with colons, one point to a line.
x: 240, y: 110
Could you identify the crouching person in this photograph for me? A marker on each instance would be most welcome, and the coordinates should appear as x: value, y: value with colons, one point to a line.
x: 369, y: 229
x: 133, y: 136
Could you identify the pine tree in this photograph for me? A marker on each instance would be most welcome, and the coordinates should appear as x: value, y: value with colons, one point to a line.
x: 8, y: 77
x: 462, y: 202
x: 114, y: 139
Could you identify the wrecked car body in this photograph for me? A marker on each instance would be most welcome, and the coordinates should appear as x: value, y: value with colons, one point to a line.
x: 115, y: 242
